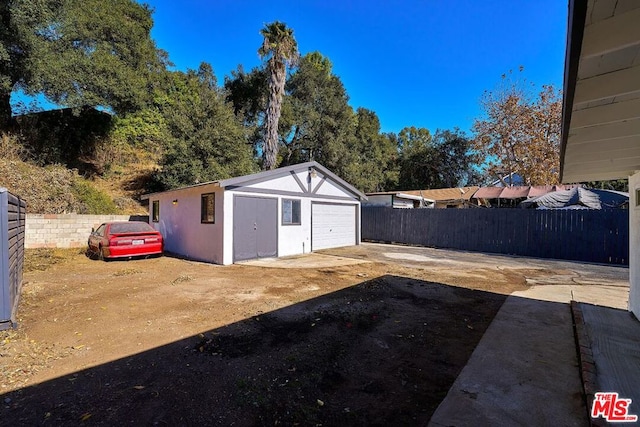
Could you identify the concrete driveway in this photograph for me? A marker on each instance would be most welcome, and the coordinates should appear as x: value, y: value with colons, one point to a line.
x: 549, y: 280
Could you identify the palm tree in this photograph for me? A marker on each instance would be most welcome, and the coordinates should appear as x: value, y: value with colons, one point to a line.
x: 281, y: 50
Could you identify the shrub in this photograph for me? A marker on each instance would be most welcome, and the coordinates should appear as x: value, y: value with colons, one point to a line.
x: 11, y: 148
x: 92, y: 200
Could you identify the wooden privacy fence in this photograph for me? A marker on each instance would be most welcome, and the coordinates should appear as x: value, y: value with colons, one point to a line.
x: 584, y: 235
x: 12, y: 224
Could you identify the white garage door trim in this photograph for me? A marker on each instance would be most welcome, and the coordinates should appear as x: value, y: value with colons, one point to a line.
x: 333, y: 225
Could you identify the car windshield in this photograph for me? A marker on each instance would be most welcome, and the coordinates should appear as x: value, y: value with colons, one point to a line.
x: 130, y: 227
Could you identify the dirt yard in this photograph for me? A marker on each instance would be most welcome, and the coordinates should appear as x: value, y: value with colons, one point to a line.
x: 167, y: 341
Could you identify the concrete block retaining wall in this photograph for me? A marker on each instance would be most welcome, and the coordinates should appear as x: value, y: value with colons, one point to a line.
x: 66, y: 230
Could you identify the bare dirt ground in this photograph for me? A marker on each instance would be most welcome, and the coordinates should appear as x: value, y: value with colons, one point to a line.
x: 167, y: 341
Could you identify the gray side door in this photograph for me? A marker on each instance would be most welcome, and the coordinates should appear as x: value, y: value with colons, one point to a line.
x: 255, y: 227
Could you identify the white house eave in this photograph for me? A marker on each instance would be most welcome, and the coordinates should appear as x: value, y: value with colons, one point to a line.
x: 601, y: 109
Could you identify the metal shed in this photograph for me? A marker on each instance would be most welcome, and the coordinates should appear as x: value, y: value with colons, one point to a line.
x: 287, y: 211
x: 12, y: 220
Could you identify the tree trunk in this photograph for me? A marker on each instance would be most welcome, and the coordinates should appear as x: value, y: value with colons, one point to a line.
x: 5, y: 112
x: 276, y: 91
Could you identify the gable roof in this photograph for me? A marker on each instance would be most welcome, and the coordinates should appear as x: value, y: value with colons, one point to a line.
x: 276, y: 173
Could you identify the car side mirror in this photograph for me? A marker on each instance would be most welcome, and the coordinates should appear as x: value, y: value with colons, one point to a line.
x: 93, y: 230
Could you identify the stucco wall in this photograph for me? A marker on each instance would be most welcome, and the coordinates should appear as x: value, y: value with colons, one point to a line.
x: 179, y: 222
x: 634, y: 245
x: 65, y: 230
x: 292, y: 239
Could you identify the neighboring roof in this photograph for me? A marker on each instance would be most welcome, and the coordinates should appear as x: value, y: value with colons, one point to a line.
x: 64, y: 111
x: 446, y: 194
x: 272, y: 174
x: 488, y: 193
x: 564, y: 198
x: 399, y: 194
x: 515, y: 192
x: 601, y: 104
x: 539, y: 190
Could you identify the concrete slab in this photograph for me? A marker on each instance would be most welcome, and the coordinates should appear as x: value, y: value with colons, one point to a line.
x: 566, y: 272
x: 614, y: 339
x: 608, y: 296
x: 312, y: 260
x: 524, y: 371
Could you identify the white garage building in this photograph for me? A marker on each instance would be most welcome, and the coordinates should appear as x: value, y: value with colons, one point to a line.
x: 287, y: 211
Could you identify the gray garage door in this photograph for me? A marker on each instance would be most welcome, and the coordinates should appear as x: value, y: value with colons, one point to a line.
x: 332, y: 225
x: 255, y: 227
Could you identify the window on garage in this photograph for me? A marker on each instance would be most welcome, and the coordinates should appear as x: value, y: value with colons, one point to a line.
x: 290, y: 212
x: 155, y: 211
x: 208, y: 208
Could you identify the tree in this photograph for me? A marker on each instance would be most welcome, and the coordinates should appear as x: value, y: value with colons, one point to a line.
x: 248, y: 92
x: 206, y: 140
x: 373, y: 164
x: 441, y: 161
x: 416, y: 158
x: 319, y: 123
x: 281, y: 50
x: 77, y: 52
x: 457, y: 161
x: 521, y: 133
x: 615, y: 184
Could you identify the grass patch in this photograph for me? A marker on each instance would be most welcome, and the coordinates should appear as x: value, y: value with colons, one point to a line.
x: 181, y: 279
x: 42, y: 259
x: 127, y: 272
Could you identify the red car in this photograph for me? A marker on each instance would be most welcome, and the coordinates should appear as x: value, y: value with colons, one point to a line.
x: 125, y: 239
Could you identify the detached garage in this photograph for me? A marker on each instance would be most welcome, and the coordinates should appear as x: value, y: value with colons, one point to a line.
x: 286, y: 211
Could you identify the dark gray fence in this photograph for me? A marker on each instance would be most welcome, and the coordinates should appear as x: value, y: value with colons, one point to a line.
x: 12, y: 220
x: 584, y: 235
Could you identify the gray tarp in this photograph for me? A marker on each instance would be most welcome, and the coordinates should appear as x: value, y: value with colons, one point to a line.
x: 561, y: 199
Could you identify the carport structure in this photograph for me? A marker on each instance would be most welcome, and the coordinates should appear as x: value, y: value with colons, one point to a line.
x: 601, y: 106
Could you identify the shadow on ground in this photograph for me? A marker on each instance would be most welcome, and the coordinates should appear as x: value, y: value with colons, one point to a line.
x: 383, y: 352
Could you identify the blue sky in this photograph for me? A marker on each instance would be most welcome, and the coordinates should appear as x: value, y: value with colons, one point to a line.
x: 418, y: 63
x: 421, y: 63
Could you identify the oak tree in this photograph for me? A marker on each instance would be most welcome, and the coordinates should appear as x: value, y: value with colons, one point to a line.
x: 205, y: 140
x: 77, y: 52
